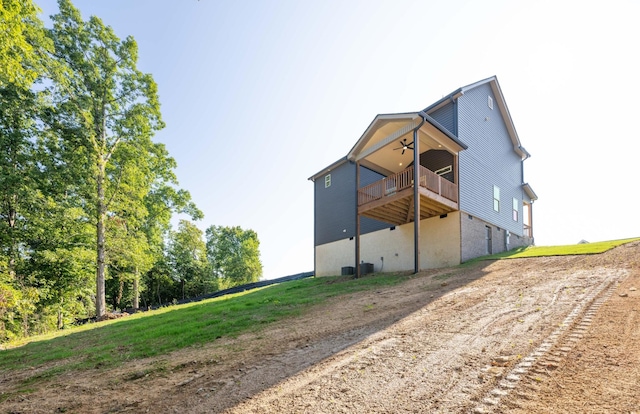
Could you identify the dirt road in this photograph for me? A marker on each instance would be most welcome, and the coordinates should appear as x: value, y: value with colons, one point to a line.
x: 529, y: 335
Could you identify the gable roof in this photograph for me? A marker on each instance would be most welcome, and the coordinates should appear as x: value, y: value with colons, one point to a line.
x: 500, y: 102
x: 375, y: 148
x: 392, y: 126
x: 386, y: 129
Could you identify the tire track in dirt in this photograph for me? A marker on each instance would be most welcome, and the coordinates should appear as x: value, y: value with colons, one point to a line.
x: 521, y: 380
x: 432, y: 360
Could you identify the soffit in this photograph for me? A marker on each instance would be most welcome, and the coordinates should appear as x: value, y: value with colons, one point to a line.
x: 381, y: 146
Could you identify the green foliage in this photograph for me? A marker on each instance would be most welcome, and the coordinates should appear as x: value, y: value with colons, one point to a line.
x: 21, y: 43
x: 83, y: 188
x: 113, y: 111
x: 188, y: 258
x: 234, y: 254
x: 9, y: 297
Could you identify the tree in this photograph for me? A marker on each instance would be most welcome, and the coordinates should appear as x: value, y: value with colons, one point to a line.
x: 234, y: 254
x: 160, y: 202
x: 111, y: 110
x: 21, y: 42
x: 188, y: 258
x: 24, y: 60
x: 17, y: 107
x: 23, y: 47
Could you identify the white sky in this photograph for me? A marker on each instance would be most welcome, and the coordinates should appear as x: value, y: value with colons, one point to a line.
x: 260, y: 95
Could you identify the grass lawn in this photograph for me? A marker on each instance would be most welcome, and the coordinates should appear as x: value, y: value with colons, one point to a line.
x: 571, y: 249
x: 147, y: 334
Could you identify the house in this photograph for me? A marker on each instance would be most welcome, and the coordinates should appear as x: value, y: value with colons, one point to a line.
x: 471, y: 195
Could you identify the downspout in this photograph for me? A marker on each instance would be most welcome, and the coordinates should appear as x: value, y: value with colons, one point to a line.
x: 526, y: 157
x: 357, y: 270
x: 530, y: 212
x: 416, y: 193
x: 315, y: 224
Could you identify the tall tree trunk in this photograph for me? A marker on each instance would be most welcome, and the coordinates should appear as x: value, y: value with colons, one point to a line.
x: 136, y: 293
x: 13, y: 248
x: 100, y: 230
x: 120, y: 292
x: 60, y: 322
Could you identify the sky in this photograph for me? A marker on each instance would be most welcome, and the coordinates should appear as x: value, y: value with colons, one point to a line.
x: 258, y: 96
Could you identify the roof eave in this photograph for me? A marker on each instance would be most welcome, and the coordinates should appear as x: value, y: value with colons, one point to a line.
x: 328, y: 169
x: 529, y: 191
x: 362, y: 141
x: 444, y: 131
x: 506, y: 116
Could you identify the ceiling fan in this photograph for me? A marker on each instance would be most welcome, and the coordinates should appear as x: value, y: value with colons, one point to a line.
x: 404, y: 146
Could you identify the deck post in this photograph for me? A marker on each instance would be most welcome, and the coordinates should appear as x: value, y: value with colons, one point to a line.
x: 357, y: 268
x: 416, y: 200
x: 531, y: 220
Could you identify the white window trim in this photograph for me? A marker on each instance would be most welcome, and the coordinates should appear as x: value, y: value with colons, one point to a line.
x: 444, y: 170
x: 327, y: 181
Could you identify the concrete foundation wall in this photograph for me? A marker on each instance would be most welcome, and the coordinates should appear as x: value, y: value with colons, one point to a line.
x: 392, y: 250
x: 474, y: 238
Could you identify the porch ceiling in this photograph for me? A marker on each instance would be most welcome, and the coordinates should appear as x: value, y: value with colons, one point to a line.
x: 380, y: 147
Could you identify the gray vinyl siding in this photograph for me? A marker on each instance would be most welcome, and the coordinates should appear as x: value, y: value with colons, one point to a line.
x: 489, y: 160
x: 446, y: 116
x: 335, y: 206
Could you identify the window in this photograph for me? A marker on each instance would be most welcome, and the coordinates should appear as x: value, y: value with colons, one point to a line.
x: 327, y: 181
x: 490, y: 102
x: 443, y: 171
x: 515, y: 209
x: 496, y: 198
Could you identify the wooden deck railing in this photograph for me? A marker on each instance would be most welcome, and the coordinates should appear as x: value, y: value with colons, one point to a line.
x: 404, y: 179
x: 527, y: 230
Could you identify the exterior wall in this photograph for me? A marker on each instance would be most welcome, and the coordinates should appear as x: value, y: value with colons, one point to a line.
x: 436, y: 159
x: 446, y: 116
x: 439, y: 240
x: 474, y: 242
x: 489, y: 160
x: 335, y: 206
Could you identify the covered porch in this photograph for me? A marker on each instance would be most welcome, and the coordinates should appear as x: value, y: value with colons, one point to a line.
x: 392, y: 199
x: 405, y: 149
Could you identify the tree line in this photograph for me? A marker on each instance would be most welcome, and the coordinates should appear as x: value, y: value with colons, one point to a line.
x: 86, y: 196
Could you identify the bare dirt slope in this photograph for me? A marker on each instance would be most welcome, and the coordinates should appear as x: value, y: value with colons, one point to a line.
x: 539, y: 335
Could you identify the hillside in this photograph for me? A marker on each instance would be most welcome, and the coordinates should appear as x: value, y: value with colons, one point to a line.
x: 521, y: 335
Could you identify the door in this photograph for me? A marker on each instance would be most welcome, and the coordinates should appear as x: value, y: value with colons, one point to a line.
x: 489, y: 239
